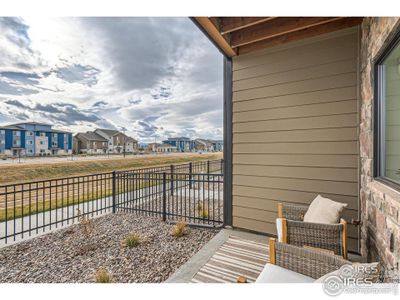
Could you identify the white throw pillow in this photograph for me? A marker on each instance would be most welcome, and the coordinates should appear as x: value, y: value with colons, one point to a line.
x: 324, y: 210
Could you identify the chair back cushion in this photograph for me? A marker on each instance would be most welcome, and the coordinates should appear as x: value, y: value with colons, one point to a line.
x: 324, y: 210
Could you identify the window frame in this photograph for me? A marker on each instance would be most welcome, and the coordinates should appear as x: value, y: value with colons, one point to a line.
x: 379, y: 115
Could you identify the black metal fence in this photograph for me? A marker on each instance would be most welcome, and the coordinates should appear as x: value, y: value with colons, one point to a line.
x: 195, y: 198
x: 172, y: 192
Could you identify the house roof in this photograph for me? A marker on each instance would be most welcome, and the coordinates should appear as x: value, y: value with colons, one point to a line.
x: 13, y: 127
x: 91, y: 136
x: 240, y: 35
x: 178, y: 138
x: 33, y: 123
x: 109, y: 132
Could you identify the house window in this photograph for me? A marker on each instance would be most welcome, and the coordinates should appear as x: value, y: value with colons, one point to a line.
x: 16, y: 133
x: 387, y: 115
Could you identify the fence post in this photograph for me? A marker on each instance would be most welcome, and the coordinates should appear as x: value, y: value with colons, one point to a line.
x: 190, y: 175
x: 172, y: 179
x: 208, y: 170
x: 113, y: 191
x: 164, y: 199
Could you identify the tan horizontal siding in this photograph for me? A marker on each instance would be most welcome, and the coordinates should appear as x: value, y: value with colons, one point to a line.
x: 301, y: 160
x: 339, y: 94
x: 318, y: 84
x: 290, y: 196
x: 306, y: 53
x: 312, y: 110
x: 296, y: 135
x: 328, y: 121
x: 334, y: 174
x: 295, y: 119
x: 311, y: 72
x: 298, y: 148
x: 299, y: 184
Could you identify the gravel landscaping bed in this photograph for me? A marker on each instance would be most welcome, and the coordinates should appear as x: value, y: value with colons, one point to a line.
x: 75, y: 254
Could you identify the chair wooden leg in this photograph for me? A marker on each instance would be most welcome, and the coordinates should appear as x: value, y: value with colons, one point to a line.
x: 280, y: 210
x: 344, y: 237
x: 272, y: 259
x: 284, y: 231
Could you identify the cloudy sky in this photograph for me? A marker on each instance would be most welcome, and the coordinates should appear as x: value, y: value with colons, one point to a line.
x: 156, y: 77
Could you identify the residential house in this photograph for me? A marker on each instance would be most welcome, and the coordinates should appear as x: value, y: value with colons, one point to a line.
x: 152, y: 147
x: 131, y: 145
x: 182, y: 144
x: 217, y: 145
x: 209, y: 145
x: 203, y: 145
x: 32, y: 138
x: 90, y: 143
x: 311, y: 106
x: 118, y: 141
x: 164, y: 148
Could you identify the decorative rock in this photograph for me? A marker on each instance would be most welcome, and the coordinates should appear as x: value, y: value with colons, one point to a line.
x: 68, y: 255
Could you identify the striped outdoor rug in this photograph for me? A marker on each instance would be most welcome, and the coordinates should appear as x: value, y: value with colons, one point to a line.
x: 236, y: 257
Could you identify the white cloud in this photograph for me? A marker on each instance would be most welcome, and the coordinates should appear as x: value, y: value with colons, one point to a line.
x: 154, y: 76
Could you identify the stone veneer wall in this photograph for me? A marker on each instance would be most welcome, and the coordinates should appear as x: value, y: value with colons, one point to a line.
x: 380, y: 205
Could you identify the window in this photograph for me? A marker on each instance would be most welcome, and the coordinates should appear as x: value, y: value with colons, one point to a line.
x: 30, y: 142
x: 2, y: 131
x: 387, y: 115
x: 16, y: 133
x: 30, y: 133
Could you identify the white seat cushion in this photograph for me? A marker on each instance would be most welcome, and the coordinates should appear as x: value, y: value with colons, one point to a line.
x: 275, y: 274
x: 324, y: 210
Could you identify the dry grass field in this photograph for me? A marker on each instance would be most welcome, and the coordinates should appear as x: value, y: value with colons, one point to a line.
x: 10, y: 174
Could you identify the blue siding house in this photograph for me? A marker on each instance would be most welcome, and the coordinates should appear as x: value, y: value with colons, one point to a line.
x: 182, y: 144
x: 33, y: 138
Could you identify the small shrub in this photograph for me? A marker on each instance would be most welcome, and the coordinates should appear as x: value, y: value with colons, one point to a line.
x: 179, y: 229
x: 132, y: 240
x: 202, y: 211
x: 86, y: 223
x: 102, y: 276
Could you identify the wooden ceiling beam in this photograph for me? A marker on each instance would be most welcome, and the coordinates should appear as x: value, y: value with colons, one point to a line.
x: 230, y: 24
x: 277, y: 27
x: 301, y: 34
x: 211, y: 29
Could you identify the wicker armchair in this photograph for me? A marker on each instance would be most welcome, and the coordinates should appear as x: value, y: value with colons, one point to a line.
x: 309, y: 262
x: 331, y: 237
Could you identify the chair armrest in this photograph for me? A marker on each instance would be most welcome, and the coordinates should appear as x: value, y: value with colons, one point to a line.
x: 331, y: 237
x: 292, y: 212
x: 309, y: 262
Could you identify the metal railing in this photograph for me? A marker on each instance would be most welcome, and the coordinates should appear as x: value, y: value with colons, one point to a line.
x: 195, y: 198
x: 32, y: 208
